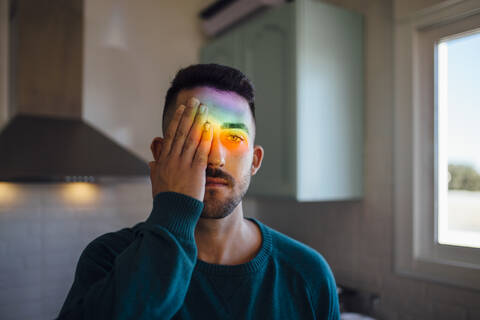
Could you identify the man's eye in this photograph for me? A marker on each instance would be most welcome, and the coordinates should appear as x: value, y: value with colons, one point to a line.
x: 234, y: 138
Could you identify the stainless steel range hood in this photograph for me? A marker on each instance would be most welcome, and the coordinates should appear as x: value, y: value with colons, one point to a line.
x: 45, y: 149
x: 46, y: 139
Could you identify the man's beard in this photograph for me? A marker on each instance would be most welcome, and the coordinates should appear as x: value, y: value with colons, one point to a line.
x: 215, y: 208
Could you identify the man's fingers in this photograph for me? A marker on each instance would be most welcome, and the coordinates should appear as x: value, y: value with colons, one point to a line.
x: 195, y: 134
x: 201, y: 155
x: 171, y: 130
x: 184, y: 126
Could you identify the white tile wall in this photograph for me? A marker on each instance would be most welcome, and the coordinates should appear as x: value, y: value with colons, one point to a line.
x: 41, y: 238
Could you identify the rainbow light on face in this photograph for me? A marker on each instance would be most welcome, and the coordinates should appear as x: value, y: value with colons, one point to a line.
x: 231, y: 133
x: 229, y: 116
x: 228, y: 123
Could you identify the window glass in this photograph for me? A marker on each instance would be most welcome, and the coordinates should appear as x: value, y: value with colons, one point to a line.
x: 458, y: 138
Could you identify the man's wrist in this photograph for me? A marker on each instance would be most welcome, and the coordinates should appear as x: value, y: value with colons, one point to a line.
x: 177, y: 212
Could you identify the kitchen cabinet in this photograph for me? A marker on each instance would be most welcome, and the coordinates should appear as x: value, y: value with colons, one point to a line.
x: 305, y: 59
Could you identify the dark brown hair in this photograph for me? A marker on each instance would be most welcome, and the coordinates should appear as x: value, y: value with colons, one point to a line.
x: 210, y: 75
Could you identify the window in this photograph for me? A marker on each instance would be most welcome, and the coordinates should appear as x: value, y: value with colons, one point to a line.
x: 434, y: 238
x: 458, y: 140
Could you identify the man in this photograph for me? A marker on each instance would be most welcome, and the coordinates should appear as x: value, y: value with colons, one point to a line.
x: 196, y: 256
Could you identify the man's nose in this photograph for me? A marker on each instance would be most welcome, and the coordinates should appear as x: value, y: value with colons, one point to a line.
x: 216, y: 157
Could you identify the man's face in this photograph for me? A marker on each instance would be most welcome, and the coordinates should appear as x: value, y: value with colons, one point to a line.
x: 233, y: 156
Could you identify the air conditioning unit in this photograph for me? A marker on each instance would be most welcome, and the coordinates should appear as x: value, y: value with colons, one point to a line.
x: 224, y: 13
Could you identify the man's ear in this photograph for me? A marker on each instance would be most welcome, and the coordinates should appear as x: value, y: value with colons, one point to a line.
x: 156, y: 147
x: 258, y: 153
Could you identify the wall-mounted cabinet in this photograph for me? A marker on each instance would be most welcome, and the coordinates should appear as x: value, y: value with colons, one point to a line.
x: 305, y: 59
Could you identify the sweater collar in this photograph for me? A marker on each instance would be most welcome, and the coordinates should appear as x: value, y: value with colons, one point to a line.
x: 252, y: 266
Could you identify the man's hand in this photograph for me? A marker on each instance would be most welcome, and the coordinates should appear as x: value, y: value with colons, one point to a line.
x: 180, y: 166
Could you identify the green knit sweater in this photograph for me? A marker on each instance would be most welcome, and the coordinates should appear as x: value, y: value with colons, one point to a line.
x: 151, y: 271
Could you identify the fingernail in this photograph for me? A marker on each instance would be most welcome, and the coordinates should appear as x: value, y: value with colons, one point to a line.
x: 207, y: 126
x: 195, y: 102
x: 203, y: 108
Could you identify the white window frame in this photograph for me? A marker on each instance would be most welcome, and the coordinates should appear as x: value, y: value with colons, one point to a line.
x: 416, y: 252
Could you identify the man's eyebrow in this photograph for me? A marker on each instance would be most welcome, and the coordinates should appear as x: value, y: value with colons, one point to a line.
x: 230, y: 125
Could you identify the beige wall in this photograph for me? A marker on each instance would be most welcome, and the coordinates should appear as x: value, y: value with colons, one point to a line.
x: 404, y: 8
x: 132, y: 49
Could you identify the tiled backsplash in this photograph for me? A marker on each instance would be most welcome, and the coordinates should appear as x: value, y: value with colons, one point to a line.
x: 42, y: 234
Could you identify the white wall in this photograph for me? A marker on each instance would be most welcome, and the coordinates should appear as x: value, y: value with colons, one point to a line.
x: 132, y: 49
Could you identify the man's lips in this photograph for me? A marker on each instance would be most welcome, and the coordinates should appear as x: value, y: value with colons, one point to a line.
x: 215, y: 181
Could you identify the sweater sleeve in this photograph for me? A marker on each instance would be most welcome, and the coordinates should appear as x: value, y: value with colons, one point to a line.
x: 149, y: 279
x: 323, y: 291
x: 328, y: 297
x: 333, y: 305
